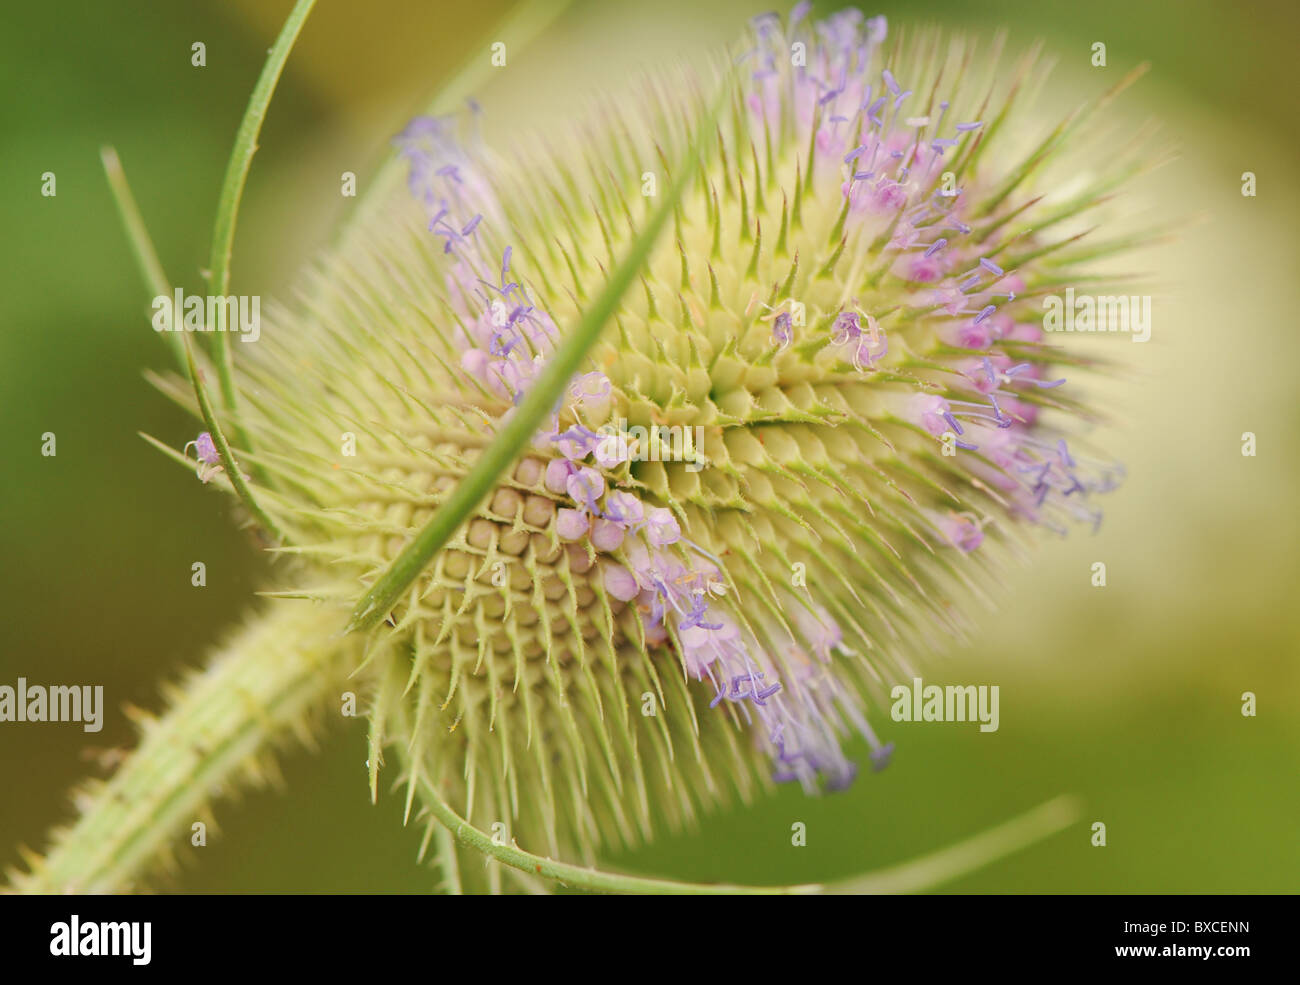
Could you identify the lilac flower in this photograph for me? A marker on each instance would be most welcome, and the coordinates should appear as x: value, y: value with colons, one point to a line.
x: 661, y: 527
x: 589, y: 387
x: 577, y: 442
x: 868, y: 345
x: 205, y: 450
x: 570, y: 524
x: 611, y: 451
x: 624, y: 508
x: 606, y: 535
x: 699, y: 606
x: 558, y: 473
x: 962, y: 531
x: 586, y: 486
x: 782, y: 330
x: 619, y: 582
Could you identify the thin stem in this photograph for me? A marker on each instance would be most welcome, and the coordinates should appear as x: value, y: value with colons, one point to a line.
x: 573, y: 875
x: 544, y: 393
x: 255, y: 691
x: 947, y: 864
x: 228, y: 462
x: 142, y: 248
x: 917, y: 875
x: 232, y: 190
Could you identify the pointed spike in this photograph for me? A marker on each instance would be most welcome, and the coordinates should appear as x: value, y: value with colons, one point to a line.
x: 781, y: 236
x: 752, y: 272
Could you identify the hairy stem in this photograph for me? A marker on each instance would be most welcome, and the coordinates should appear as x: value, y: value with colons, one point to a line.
x: 256, y: 692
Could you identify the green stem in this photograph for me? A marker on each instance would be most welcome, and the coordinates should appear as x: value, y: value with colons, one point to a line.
x: 152, y: 271
x: 228, y: 462
x: 146, y: 257
x: 975, y: 852
x: 232, y: 190
x: 544, y: 393
x: 255, y: 691
x: 916, y: 875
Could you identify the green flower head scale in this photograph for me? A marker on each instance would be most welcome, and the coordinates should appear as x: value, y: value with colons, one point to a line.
x: 808, y: 432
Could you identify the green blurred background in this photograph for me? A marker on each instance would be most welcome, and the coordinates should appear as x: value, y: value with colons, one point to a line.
x: 1128, y: 696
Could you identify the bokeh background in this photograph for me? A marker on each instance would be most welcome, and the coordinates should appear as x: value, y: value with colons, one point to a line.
x: 1127, y: 696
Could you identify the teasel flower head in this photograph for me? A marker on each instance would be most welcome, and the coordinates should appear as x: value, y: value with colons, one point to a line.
x: 805, y: 439
x: 841, y: 313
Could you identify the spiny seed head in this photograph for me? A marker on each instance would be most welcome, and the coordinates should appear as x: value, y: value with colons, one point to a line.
x: 837, y: 337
